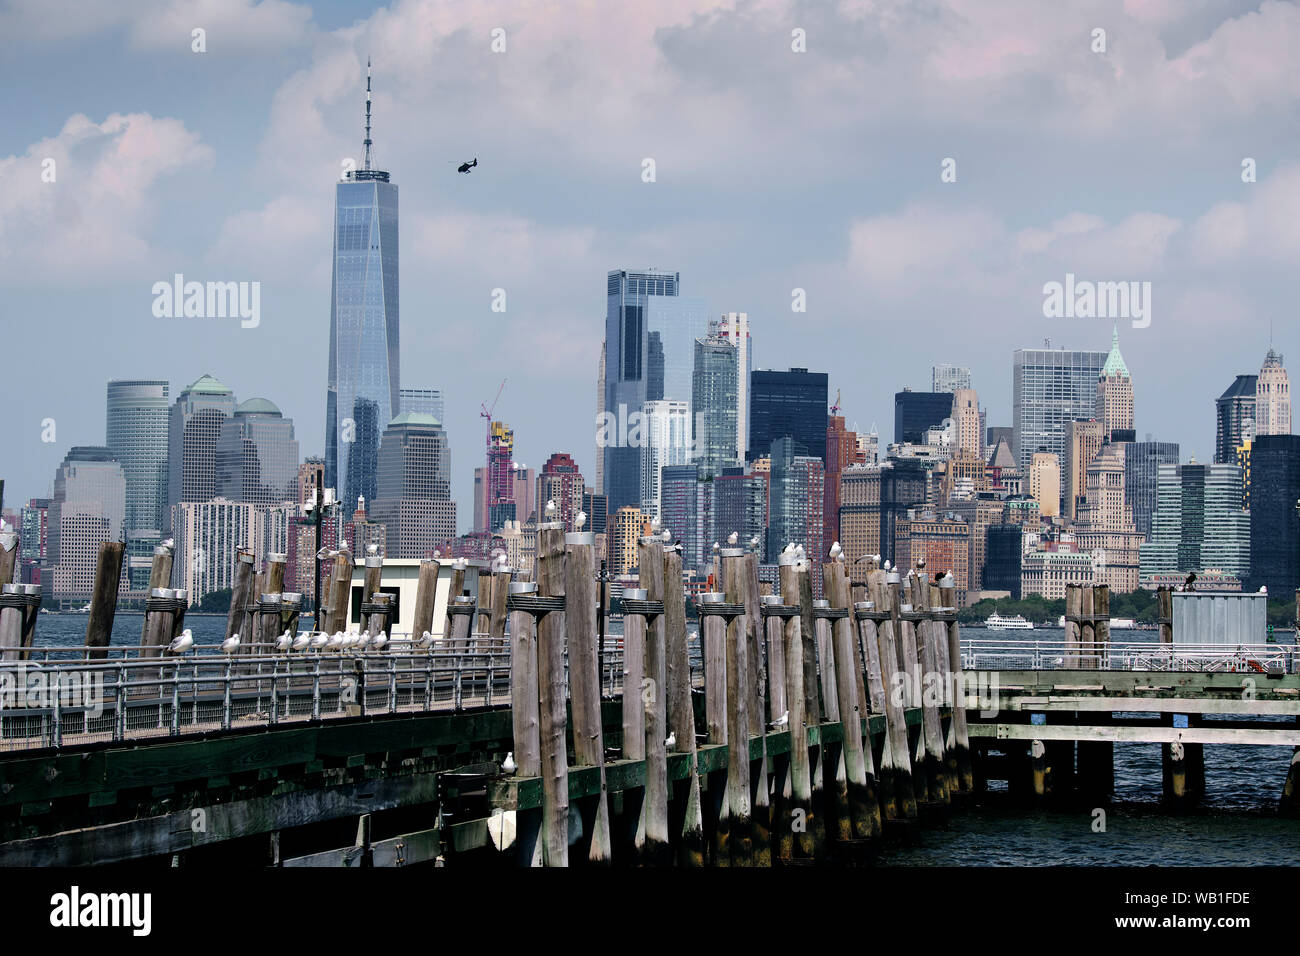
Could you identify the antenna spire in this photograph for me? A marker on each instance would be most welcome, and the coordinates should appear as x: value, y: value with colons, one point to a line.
x: 367, y: 140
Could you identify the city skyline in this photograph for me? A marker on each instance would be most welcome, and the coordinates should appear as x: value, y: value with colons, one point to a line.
x: 1214, y: 245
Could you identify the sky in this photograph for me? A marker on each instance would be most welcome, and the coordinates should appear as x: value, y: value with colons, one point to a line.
x: 919, y: 169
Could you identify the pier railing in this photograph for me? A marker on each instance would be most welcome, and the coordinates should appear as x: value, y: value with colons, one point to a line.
x: 998, y: 654
x: 59, y: 698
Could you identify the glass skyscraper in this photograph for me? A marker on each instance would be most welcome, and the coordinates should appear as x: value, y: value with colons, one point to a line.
x: 1142, y: 461
x: 1199, y: 523
x: 1049, y: 388
x: 257, y: 459
x: 363, y: 393
x: 136, y: 434
x: 788, y: 404
x: 426, y: 401
x: 714, y: 398
x: 650, y: 335
x: 194, y: 432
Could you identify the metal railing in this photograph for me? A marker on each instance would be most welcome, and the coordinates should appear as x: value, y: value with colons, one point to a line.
x: 994, y: 654
x: 59, y: 698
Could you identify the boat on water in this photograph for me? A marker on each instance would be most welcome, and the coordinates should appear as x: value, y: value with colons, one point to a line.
x: 1116, y: 623
x: 1017, y: 622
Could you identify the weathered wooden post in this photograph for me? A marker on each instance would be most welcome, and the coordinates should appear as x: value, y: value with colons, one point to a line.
x: 1087, y: 628
x: 807, y: 824
x: 103, y: 602
x: 457, y: 587
x: 340, y: 592
x: 241, y: 598
x: 771, y: 610
x: 859, y: 767
x: 634, y: 637
x: 525, y: 702
x: 1095, y: 759
x: 160, y: 610
x: 739, y: 805
x: 651, y: 841
x: 460, y: 614
x: 960, y: 735
x: 584, y: 680
x: 8, y: 556
x: 1290, y: 802
x: 838, y: 815
x: 551, y: 685
x: 32, y: 597
x: 897, y: 756
x: 426, y: 598
x: 1073, y: 608
x: 814, y: 710
x: 937, y: 638
x: 929, y: 671
x: 760, y: 800
x: 1165, y: 613
x: 497, y: 609
x: 681, y: 712
x: 290, y: 611
x: 160, y: 576
x: 12, y: 608
x: 713, y: 631
x: 182, y: 605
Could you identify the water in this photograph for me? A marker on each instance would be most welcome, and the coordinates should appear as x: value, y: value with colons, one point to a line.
x: 1237, y: 824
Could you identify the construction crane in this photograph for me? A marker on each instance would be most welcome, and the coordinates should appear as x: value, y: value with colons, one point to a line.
x: 835, y: 409
x: 487, y: 412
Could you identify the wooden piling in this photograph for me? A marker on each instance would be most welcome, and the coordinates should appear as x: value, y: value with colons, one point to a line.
x: 12, y: 609
x: 652, y: 845
x: 739, y: 805
x: 839, y: 816
x: 929, y: 672
x: 960, y: 730
x: 8, y: 556
x: 760, y: 800
x: 896, y: 759
x: 584, y: 682
x: 681, y: 713
x: 863, y: 806
x: 807, y: 825
x: 340, y: 592
x: 241, y: 598
x: 103, y: 602
x: 160, y: 576
x: 524, y: 712
x: 426, y: 598
x: 713, y: 636
x: 814, y: 711
x: 1087, y: 629
x: 550, y: 684
x: 1073, y: 608
x: 1165, y: 613
x: 938, y: 637
x: 496, y: 610
x: 457, y: 587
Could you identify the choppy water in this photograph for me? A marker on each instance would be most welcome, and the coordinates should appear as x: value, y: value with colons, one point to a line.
x: 1236, y: 826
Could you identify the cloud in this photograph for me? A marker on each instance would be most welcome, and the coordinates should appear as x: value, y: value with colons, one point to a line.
x: 95, y: 216
x: 1264, y: 227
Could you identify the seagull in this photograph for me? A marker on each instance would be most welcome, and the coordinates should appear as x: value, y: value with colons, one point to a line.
x: 654, y: 524
x: 671, y: 742
x: 181, y: 644
x: 380, y: 640
x: 886, y: 566
x: 788, y: 549
x: 350, y: 640
x: 301, y: 641
x: 508, y: 765
x: 580, y: 520
x: 551, y: 509
x: 466, y: 167
x: 733, y: 537
x: 320, y: 640
x: 753, y: 542
x: 372, y: 549
x: 230, y: 644
x: 920, y: 563
x: 798, y: 549
x: 716, y: 547
x: 667, y: 536
x: 362, y: 641
x: 283, y: 641
x: 782, y: 721
x: 836, y: 551
x: 169, y: 543
x: 460, y: 564
x: 335, y: 641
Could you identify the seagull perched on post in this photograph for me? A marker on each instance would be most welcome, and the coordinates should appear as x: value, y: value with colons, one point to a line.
x: 551, y: 509
x: 380, y: 640
x: 508, y: 765
x: 182, y: 643
x: 666, y: 536
x: 671, y: 742
x: 425, y: 640
x: 301, y: 641
x: 320, y: 640
x: 836, y: 551
x: 283, y: 641
x: 733, y: 538
x: 230, y: 644
x: 782, y: 721
x: 372, y: 549
x: 579, y: 520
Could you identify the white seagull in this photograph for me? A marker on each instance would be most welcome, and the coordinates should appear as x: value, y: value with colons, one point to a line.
x: 580, y: 520
x: 301, y: 641
x: 283, y: 641
x: 551, y: 509
x: 320, y: 640
x: 335, y: 641
x: 671, y: 742
x: 733, y: 537
x: 230, y: 644
x: 836, y: 551
x: 380, y: 640
x: 666, y: 536
x: 508, y: 765
x: 182, y: 643
x: 782, y: 721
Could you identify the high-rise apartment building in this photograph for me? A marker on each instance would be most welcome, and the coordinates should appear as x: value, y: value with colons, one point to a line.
x: 1083, y: 439
x: 714, y: 401
x: 665, y: 440
x: 842, y: 451
x: 966, y: 419
x: 1142, y: 461
x: 1045, y: 483
x: 136, y: 432
x: 740, y: 503
x: 942, y: 541
x: 363, y: 393
x: 257, y: 455
x: 561, y: 482
x: 624, y: 532
x: 734, y: 327
x: 88, y: 508
x: 1049, y: 388
x: 795, y: 493
x: 500, y: 476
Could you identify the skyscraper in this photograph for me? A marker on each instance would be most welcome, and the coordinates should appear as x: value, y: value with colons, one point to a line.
x: 500, y: 476
x: 363, y: 392
x: 1274, y: 522
x: 650, y: 334
x: 798, y: 486
x: 136, y: 434
x: 685, y: 507
x: 1083, y: 439
x: 561, y: 482
x: 1045, y: 482
x: 426, y: 401
x: 665, y: 440
x: 949, y: 378
x: 1272, y: 397
x: 966, y: 423
x: 739, y: 504
x: 1234, y: 414
x: 1142, y: 461
x: 414, y: 482
x: 1105, y: 527
x: 916, y: 412
x: 1199, y: 523
x: 1049, y: 387
x: 790, y: 404
x: 714, y: 403
x: 841, y: 452
x: 734, y: 327
x: 1115, y: 395
x: 257, y: 456
x: 89, y: 508
x: 196, y: 422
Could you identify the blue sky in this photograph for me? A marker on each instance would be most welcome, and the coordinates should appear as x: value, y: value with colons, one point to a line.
x: 775, y: 170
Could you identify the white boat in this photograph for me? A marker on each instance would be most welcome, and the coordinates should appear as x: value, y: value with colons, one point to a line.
x: 997, y: 622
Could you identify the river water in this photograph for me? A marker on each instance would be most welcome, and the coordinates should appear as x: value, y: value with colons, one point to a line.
x: 1237, y: 824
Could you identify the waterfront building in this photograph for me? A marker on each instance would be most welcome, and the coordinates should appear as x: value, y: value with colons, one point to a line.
x: 1274, y: 522
x: 1004, y: 545
x: 1049, y: 572
x: 1199, y: 523
x: 942, y: 541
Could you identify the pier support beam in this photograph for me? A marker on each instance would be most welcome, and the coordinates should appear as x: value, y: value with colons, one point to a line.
x: 103, y: 605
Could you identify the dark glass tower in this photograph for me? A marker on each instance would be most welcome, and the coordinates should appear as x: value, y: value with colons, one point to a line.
x: 915, y: 412
x: 1234, y: 418
x: 789, y: 404
x: 363, y: 391
x: 1274, y: 521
